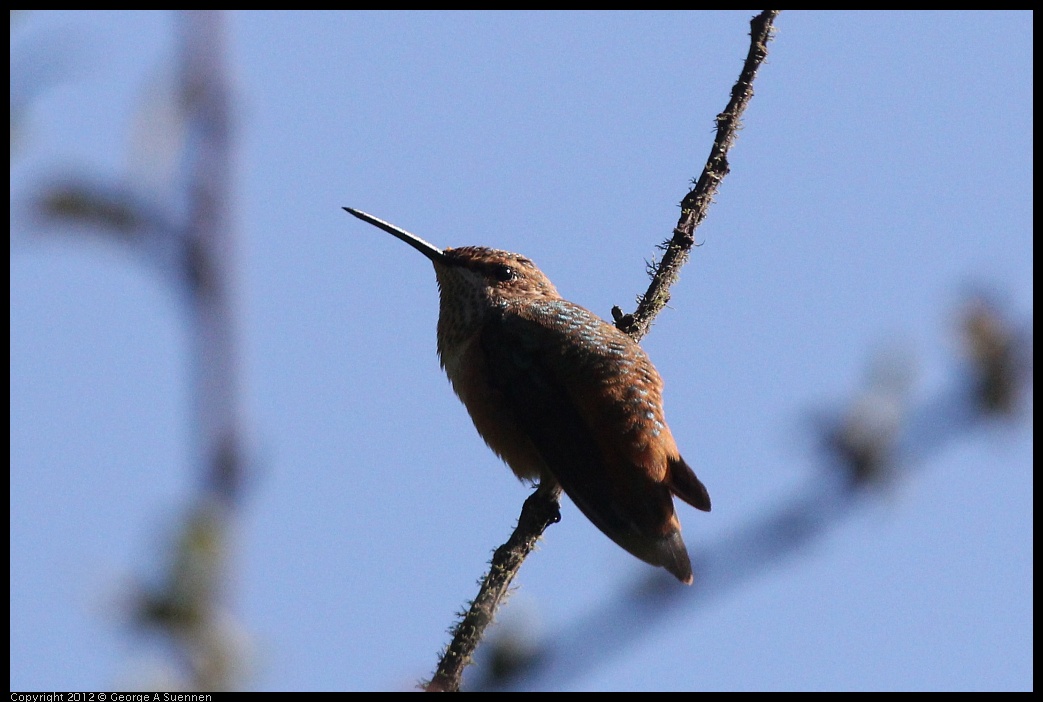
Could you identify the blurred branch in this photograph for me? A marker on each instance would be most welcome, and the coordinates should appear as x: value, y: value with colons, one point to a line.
x: 109, y: 211
x: 541, y: 508
x: 194, y: 586
x: 188, y: 232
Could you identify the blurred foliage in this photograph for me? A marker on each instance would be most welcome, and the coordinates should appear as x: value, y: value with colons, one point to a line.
x: 1000, y: 358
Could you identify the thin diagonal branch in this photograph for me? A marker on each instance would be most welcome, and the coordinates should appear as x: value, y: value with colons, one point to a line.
x: 541, y: 508
x: 696, y: 203
x: 539, y: 512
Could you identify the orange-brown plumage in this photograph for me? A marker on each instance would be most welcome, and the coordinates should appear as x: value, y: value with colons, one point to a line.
x: 561, y: 395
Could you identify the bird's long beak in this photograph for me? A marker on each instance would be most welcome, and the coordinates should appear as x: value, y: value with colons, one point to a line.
x: 430, y: 250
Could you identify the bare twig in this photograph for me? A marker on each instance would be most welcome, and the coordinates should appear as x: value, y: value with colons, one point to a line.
x: 541, y: 508
x: 539, y: 512
x: 696, y: 203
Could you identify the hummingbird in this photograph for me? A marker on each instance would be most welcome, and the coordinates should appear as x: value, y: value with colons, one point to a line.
x: 561, y: 396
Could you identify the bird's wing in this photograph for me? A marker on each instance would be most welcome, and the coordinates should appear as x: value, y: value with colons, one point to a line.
x: 550, y: 378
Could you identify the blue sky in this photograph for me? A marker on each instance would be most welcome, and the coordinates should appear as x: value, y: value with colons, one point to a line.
x: 883, y: 170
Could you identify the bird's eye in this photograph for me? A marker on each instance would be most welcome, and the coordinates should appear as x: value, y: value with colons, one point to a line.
x: 503, y: 273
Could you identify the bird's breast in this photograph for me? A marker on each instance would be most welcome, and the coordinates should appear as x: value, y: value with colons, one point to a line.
x: 469, y: 373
